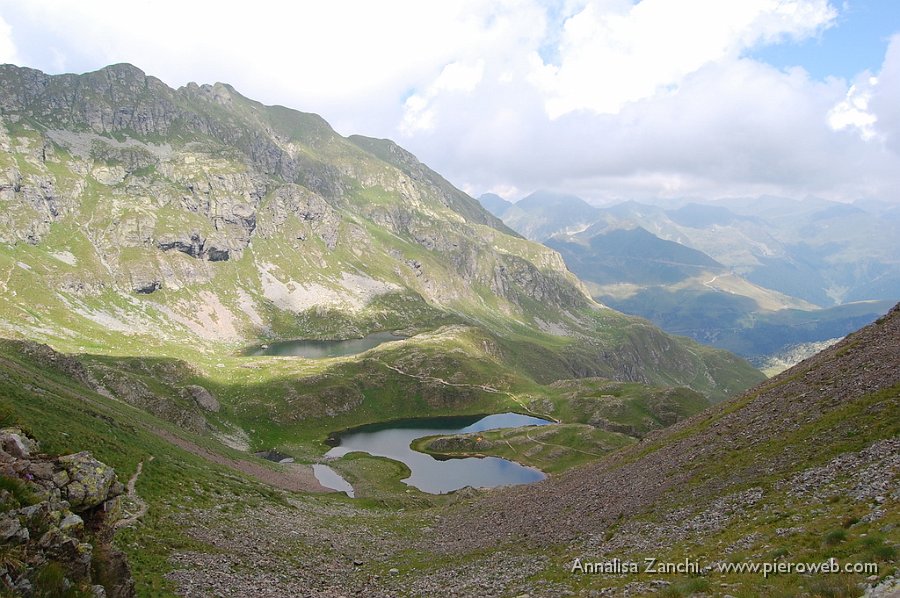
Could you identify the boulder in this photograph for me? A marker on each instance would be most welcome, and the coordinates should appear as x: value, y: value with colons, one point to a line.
x: 71, y: 524
x: 11, y: 530
x: 91, y: 482
x: 14, y: 442
x: 40, y: 470
x: 203, y: 398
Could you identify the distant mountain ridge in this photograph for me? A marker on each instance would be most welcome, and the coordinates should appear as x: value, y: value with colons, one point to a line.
x: 615, y: 256
x: 720, y: 272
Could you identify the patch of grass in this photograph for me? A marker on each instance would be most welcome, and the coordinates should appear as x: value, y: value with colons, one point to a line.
x: 50, y: 582
x: 553, y: 448
x: 876, y: 548
x: 834, y: 537
x: 376, y: 482
x: 833, y: 586
x: 687, y: 587
x: 20, y: 495
x: 12, y: 558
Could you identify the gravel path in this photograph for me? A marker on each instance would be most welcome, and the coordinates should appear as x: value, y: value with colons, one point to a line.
x: 132, y: 495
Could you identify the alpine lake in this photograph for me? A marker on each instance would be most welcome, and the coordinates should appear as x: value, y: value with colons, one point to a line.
x: 393, y: 439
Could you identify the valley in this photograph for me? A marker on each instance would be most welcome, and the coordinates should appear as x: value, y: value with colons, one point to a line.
x: 193, y: 281
x: 756, y: 277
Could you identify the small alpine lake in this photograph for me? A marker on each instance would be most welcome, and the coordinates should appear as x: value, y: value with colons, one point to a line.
x: 312, y: 349
x: 438, y: 476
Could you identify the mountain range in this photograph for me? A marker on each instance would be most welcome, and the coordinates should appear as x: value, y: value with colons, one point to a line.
x: 759, y: 277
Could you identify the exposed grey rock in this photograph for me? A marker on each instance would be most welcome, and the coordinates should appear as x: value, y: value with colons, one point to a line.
x: 203, y: 398
x: 147, y: 287
x: 15, y: 443
x: 188, y: 243
x: 216, y: 254
x: 71, y: 523
x: 889, y: 588
x: 91, y: 482
x: 10, y: 529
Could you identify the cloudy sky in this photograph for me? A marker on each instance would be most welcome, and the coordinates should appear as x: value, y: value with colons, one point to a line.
x: 608, y: 99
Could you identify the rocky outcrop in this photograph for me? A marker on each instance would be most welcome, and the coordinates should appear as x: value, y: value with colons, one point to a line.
x: 203, y: 398
x: 58, y: 514
x: 146, y: 287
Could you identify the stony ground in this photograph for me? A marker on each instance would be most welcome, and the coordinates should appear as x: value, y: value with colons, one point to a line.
x: 299, y: 549
x: 330, y: 548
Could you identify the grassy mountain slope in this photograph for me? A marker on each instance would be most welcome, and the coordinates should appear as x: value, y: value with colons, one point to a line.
x: 798, y: 469
x: 142, y: 220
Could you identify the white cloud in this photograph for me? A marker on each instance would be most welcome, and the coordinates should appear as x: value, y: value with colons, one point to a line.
x: 853, y: 111
x: 733, y: 127
x: 886, y: 97
x: 614, y: 53
x: 606, y: 98
x: 8, y: 52
x: 456, y: 77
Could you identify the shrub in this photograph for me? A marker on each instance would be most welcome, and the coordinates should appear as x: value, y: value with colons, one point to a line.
x: 835, y: 537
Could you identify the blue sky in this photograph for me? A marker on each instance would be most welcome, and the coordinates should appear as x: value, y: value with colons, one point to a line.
x: 856, y: 42
x: 607, y: 99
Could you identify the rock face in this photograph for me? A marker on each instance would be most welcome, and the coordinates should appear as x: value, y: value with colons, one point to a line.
x: 57, y: 512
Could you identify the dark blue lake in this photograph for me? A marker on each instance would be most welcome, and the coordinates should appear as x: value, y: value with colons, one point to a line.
x: 323, y: 349
x: 392, y: 440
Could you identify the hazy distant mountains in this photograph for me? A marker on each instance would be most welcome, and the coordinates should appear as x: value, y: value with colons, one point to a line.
x: 750, y: 275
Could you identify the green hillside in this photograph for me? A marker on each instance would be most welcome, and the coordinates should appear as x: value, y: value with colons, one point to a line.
x: 190, y: 223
